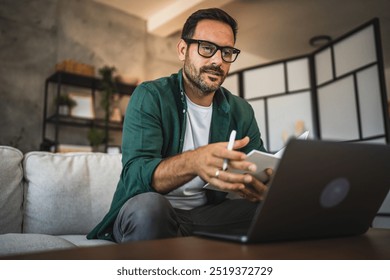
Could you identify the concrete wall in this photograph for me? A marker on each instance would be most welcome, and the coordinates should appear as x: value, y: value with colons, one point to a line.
x: 161, y: 56
x: 35, y: 35
x: 28, y: 47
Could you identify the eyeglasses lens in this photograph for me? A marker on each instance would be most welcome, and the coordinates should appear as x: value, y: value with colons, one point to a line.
x: 207, y: 49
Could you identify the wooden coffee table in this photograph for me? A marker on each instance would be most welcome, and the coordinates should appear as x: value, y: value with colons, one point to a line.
x: 375, y: 244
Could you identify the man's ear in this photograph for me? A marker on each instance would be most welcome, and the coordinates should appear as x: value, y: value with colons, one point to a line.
x: 181, y: 49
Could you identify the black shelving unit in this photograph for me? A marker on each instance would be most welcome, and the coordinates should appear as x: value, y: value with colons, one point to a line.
x: 93, y: 84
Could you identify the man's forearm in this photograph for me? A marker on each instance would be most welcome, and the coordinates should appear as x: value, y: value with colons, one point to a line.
x: 173, y: 172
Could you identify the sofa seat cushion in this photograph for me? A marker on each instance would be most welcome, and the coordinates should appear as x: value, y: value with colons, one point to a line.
x: 82, y: 241
x: 11, y: 190
x: 68, y: 193
x: 19, y: 243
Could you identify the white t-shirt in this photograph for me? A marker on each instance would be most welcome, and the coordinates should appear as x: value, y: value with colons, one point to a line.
x: 198, y: 121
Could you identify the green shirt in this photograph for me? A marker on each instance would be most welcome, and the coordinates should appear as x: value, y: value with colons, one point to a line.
x: 154, y: 129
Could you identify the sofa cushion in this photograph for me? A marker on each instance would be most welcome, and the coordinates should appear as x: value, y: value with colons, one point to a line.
x: 68, y: 193
x: 11, y: 190
x: 82, y: 241
x: 19, y: 243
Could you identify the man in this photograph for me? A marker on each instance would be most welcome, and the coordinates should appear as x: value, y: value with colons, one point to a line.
x: 174, y: 142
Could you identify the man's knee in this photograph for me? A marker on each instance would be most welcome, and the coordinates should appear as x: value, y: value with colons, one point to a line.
x: 147, y: 206
x: 146, y: 216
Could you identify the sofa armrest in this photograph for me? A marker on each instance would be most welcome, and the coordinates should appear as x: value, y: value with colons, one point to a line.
x: 11, y: 190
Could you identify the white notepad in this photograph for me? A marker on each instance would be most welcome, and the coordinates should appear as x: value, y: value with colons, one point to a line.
x: 263, y: 161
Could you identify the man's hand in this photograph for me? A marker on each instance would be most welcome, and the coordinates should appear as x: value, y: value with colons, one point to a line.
x: 256, y: 190
x: 209, y: 162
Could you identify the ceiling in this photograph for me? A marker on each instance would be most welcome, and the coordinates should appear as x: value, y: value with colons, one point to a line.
x: 268, y: 29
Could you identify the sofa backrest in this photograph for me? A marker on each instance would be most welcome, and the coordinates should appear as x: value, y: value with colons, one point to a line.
x: 68, y: 193
x: 11, y: 190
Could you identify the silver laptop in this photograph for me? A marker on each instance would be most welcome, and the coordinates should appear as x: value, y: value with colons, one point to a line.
x: 321, y: 189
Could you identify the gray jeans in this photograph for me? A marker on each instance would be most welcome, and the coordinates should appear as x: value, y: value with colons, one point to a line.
x: 150, y: 216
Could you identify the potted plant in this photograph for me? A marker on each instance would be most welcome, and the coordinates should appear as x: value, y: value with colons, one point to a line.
x: 108, y: 88
x: 64, y: 103
x: 96, y: 138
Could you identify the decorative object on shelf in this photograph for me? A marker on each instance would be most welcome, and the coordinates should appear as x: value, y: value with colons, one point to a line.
x: 84, y: 107
x: 127, y: 79
x: 65, y: 103
x: 124, y: 102
x: 108, y: 89
x: 75, y: 67
x: 96, y: 138
x: 116, y: 114
x: 299, y: 128
x: 68, y: 148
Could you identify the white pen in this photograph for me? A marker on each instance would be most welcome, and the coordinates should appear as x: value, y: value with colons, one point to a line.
x: 232, y: 138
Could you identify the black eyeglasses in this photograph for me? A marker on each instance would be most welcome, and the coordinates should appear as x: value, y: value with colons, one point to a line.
x: 208, y: 49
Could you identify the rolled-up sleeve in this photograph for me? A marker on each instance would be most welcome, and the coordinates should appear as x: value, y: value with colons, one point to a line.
x: 142, y: 140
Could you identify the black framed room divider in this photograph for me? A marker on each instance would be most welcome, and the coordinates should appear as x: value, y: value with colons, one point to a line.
x: 337, y: 92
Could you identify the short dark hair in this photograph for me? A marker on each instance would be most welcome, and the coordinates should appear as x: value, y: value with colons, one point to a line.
x: 213, y: 14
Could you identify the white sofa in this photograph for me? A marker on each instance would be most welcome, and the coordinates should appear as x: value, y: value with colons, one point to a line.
x: 51, y: 201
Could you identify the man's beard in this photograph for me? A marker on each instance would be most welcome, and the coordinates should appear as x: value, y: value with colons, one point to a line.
x: 199, y: 82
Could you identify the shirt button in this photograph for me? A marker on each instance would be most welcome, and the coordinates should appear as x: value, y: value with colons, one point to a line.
x: 184, y: 111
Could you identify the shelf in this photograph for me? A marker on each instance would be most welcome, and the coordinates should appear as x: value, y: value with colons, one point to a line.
x: 93, y: 84
x: 82, y: 122
x: 89, y: 82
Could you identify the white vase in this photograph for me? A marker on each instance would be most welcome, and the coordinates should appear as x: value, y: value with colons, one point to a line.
x: 63, y: 110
